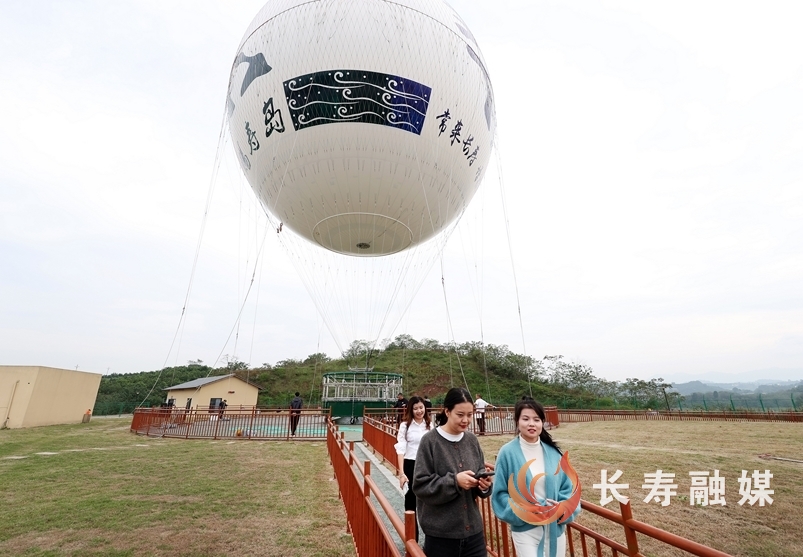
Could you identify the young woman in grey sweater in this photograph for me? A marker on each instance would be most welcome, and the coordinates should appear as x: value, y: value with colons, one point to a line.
x: 444, y: 484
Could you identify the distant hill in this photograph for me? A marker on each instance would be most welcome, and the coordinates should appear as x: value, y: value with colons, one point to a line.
x: 756, y: 387
x: 766, y: 376
x: 692, y: 387
x: 428, y: 368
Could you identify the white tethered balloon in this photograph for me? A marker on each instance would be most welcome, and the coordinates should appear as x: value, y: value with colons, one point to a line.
x: 365, y: 126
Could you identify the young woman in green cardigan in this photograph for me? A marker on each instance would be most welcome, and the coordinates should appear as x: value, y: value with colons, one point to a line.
x: 533, y: 443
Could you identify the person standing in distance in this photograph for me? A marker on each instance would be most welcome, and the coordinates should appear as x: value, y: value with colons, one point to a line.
x: 480, y: 405
x: 444, y: 483
x: 295, y: 413
x: 416, y: 424
x: 400, y: 406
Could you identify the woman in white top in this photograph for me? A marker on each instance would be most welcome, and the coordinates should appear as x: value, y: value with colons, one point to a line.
x: 416, y: 424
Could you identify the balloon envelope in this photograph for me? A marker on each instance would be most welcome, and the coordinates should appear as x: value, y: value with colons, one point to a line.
x: 364, y: 126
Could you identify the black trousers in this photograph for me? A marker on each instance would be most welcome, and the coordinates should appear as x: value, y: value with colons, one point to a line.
x: 294, y: 422
x: 409, y: 497
x: 473, y: 546
x: 481, y: 422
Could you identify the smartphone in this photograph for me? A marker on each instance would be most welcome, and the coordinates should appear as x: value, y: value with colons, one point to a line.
x: 484, y: 474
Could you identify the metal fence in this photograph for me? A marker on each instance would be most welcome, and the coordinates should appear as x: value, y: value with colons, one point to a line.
x: 239, y: 423
x: 762, y: 402
x: 723, y: 415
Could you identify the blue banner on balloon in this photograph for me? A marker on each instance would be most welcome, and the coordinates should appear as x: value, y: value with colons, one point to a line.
x: 357, y: 96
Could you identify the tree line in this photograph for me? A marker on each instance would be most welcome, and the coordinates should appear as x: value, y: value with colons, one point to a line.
x: 429, y: 368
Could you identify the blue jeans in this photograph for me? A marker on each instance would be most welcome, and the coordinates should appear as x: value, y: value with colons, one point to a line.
x: 473, y: 546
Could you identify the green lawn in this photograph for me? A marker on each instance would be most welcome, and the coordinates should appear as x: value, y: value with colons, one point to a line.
x: 109, y: 492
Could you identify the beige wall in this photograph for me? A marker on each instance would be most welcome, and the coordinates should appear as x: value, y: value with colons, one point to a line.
x: 244, y: 394
x: 45, y: 395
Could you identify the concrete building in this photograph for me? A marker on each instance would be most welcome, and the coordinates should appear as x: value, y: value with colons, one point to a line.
x: 209, y: 391
x: 33, y: 396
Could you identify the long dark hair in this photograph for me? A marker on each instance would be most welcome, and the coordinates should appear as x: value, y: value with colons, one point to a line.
x: 454, y: 397
x: 532, y: 404
x: 408, y: 413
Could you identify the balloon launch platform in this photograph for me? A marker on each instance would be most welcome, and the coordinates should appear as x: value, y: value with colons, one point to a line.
x: 348, y: 393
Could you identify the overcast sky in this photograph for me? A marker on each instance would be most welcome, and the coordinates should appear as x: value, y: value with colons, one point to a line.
x: 651, y: 157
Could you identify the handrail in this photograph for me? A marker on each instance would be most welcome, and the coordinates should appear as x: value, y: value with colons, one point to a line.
x: 385, y: 504
x: 667, y: 537
x: 596, y: 536
x: 626, y: 520
x: 370, y: 535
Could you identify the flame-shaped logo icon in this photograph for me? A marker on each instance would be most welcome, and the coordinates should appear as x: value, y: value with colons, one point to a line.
x: 525, y: 505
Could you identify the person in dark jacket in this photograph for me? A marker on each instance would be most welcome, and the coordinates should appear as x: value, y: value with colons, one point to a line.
x: 295, y: 413
x: 401, y: 405
x: 427, y: 402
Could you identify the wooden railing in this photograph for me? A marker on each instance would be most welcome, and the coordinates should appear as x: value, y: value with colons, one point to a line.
x: 248, y: 423
x: 631, y: 528
x: 381, y: 437
x: 365, y: 520
x: 581, y: 540
x: 726, y: 415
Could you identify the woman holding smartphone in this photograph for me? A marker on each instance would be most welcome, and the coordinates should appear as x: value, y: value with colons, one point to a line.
x: 416, y: 423
x: 535, y: 443
x: 445, y: 485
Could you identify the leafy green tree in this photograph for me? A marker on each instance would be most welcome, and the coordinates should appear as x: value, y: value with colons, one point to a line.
x: 316, y: 358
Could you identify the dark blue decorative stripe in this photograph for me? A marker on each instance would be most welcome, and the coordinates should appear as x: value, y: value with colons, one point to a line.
x: 357, y: 96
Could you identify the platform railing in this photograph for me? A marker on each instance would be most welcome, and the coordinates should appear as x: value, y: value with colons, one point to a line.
x: 238, y: 424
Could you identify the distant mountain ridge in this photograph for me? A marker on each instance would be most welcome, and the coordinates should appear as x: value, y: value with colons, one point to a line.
x: 768, y: 376
x: 757, y: 386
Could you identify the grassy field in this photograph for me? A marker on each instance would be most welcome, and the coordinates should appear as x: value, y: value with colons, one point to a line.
x: 638, y: 447
x: 104, y: 491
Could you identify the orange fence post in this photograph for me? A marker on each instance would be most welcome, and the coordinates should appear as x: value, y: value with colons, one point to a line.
x: 630, y: 534
x: 410, y: 527
x: 366, y: 489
